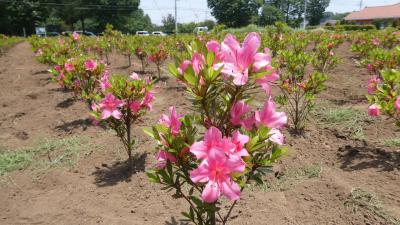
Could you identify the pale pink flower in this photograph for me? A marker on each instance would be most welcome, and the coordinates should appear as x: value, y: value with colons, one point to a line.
x: 109, y: 107
x: 90, y: 64
x: 105, y: 81
x: 75, y: 36
x: 172, y: 121
x: 373, y: 83
x: 69, y: 67
x: 213, y: 46
x: 61, y: 41
x: 162, y: 157
x: 266, y: 81
x: 148, y: 98
x: 213, y: 141
x: 238, y: 110
x: 269, y: 117
x: 198, y: 62
x: 39, y: 52
x: 397, y: 103
x: 276, y: 136
x: 135, y: 106
x: 150, y: 59
x: 374, y: 110
x: 240, y: 140
x: 135, y: 76
x: 376, y: 41
x: 331, y: 53
x: 370, y: 67
x: 184, y: 65
x: 216, y: 171
x: 237, y: 60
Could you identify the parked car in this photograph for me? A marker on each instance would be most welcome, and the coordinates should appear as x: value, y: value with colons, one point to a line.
x: 142, y: 33
x: 86, y: 33
x: 200, y: 30
x: 158, y: 33
x: 52, y: 34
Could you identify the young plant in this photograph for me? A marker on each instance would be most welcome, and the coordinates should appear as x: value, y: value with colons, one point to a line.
x: 298, y: 86
x: 158, y: 58
x: 142, y: 56
x: 223, y: 145
x: 384, y: 95
x: 120, y: 104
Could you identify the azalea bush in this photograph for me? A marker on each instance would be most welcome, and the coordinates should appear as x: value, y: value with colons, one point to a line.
x: 226, y: 143
x: 120, y: 104
x: 384, y: 95
x: 298, y: 84
x: 158, y: 57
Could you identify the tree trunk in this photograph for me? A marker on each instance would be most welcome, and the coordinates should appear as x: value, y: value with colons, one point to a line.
x: 83, y: 24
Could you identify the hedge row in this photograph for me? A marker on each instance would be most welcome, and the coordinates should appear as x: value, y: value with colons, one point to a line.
x: 345, y: 27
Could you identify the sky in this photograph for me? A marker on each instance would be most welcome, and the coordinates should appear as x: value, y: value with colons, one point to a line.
x: 197, y: 10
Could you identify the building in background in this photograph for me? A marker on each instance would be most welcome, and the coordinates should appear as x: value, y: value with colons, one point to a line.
x: 380, y: 15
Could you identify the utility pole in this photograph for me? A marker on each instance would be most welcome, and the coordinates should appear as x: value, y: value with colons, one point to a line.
x: 361, y: 4
x: 176, y: 19
x: 305, y: 14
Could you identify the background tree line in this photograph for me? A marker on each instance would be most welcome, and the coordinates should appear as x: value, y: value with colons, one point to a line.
x: 238, y: 13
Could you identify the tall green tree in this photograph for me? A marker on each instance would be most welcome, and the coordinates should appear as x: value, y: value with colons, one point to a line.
x: 235, y: 13
x: 315, y: 10
x: 270, y: 14
x: 168, y: 23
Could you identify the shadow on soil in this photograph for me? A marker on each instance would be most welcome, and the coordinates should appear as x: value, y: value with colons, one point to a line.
x: 119, y: 171
x: 72, y: 125
x: 360, y: 158
x: 173, y: 221
x: 66, y: 103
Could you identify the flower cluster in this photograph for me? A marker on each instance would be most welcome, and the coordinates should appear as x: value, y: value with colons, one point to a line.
x: 238, y: 143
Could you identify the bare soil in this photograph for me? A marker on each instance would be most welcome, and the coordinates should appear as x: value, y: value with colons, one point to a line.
x: 99, y: 188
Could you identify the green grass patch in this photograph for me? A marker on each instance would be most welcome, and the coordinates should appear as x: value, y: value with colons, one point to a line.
x: 362, y: 199
x: 349, y: 121
x: 292, y: 176
x: 46, y: 153
x: 392, y: 142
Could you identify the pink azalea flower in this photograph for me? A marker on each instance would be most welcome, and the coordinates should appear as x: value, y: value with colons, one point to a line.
x: 105, y: 81
x: 197, y: 62
x: 237, y: 59
x: 397, y: 103
x: 75, y: 36
x: 184, y: 65
x: 216, y: 171
x: 150, y: 59
x: 135, y: 106
x: 238, y: 110
x: 376, y: 42
x: 135, y: 76
x: 162, y: 157
x: 213, y: 46
x: 39, y: 52
x: 276, y: 136
x: 240, y: 140
x: 109, y: 107
x: 269, y: 117
x: 61, y: 41
x: 95, y: 107
x: 148, y: 98
x: 213, y: 141
x: 57, y: 68
x: 90, y: 64
x: 369, y: 67
x: 266, y: 81
x: 374, y: 110
x: 331, y: 53
x: 172, y: 121
x: 69, y: 67
x: 373, y: 83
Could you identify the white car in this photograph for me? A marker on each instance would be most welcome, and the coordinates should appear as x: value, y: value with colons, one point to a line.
x: 200, y: 30
x: 142, y: 33
x: 158, y: 33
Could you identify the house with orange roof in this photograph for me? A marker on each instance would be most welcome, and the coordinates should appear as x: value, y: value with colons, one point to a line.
x: 384, y: 14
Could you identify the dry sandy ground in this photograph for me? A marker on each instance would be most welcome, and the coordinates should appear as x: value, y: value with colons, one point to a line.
x: 312, y: 184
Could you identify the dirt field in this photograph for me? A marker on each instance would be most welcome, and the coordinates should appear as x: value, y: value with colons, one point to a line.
x: 345, y: 170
